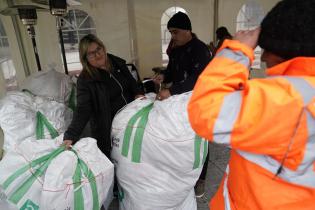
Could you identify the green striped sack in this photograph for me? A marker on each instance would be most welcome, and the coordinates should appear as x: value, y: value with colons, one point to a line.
x: 23, y: 188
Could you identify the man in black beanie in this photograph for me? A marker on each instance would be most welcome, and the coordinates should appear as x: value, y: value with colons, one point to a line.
x: 268, y: 123
x: 187, y: 58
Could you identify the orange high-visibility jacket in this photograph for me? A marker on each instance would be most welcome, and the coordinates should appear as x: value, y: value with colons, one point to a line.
x: 266, y: 122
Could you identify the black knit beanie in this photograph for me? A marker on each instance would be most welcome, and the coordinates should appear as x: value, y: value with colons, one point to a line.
x: 222, y: 32
x: 179, y: 20
x: 288, y: 30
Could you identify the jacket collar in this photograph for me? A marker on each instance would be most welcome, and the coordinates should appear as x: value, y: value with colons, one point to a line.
x: 299, y: 66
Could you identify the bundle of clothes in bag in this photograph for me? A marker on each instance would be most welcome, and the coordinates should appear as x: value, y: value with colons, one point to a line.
x: 157, y: 156
x: 37, y: 172
x: 42, y: 108
x: 42, y: 174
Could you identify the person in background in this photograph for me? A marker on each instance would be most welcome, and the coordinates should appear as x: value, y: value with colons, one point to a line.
x: 221, y: 34
x: 104, y: 86
x: 269, y: 123
x: 188, y: 57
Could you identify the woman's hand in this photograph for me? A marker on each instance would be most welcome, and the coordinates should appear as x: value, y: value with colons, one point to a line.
x: 249, y: 38
x: 163, y: 94
x: 67, y: 143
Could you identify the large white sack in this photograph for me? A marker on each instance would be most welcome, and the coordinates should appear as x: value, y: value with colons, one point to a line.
x: 50, y: 84
x: 18, y: 117
x: 55, y: 187
x: 171, y: 156
x: 58, y: 191
x: 16, y: 167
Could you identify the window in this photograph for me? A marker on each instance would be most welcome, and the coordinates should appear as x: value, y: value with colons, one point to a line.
x: 249, y: 17
x: 165, y: 34
x: 76, y: 24
x: 6, y: 64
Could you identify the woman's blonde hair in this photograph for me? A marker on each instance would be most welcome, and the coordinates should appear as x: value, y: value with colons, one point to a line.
x: 84, y: 44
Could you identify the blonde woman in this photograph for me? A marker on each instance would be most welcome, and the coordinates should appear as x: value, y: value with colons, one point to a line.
x: 104, y: 86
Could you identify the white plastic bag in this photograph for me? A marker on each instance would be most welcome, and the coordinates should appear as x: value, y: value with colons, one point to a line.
x: 50, y: 84
x: 20, y: 114
x: 85, y: 182
x: 157, y: 155
x: 42, y: 175
x: 22, y: 171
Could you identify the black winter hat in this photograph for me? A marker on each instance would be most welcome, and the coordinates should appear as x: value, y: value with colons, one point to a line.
x: 179, y: 20
x: 222, y: 32
x: 288, y: 30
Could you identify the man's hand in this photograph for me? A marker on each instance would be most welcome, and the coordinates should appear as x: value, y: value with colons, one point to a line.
x: 249, y: 38
x: 67, y: 143
x: 163, y: 94
x: 158, y: 79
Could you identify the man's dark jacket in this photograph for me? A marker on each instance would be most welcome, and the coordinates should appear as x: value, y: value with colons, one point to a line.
x: 98, y: 100
x: 185, y: 65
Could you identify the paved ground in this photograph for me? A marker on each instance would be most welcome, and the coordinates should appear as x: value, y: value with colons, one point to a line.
x: 219, y: 156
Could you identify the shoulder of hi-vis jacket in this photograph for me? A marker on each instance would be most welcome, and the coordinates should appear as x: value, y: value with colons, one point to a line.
x: 258, y: 115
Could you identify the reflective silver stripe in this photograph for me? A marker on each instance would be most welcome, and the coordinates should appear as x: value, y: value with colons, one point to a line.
x: 304, y: 175
x: 228, y: 114
x: 227, y: 205
x: 308, y: 93
x: 303, y: 87
x: 236, y: 56
x: 231, y: 104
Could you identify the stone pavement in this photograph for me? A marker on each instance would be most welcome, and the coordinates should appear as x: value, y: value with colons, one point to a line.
x: 218, y: 159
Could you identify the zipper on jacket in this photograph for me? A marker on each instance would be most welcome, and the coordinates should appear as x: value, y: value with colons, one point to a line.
x: 122, y: 90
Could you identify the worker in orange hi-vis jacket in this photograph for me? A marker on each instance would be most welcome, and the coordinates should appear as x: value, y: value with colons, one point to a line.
x: 268, y: 123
